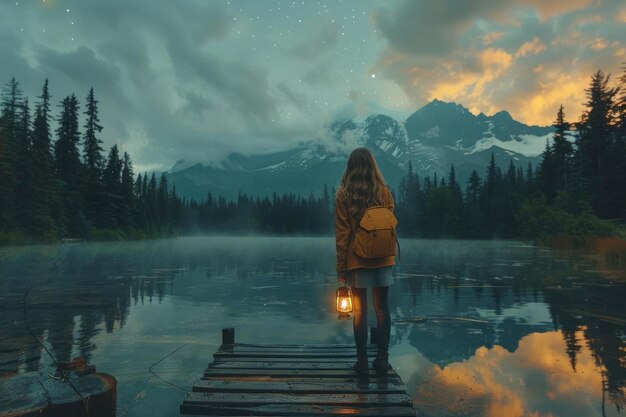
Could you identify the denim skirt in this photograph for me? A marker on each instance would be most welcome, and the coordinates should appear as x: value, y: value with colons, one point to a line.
x: 369, y: 277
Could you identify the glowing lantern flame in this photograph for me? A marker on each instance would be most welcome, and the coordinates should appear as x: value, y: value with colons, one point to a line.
x: 344, y: 302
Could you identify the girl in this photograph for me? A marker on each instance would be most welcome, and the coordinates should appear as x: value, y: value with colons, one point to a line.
x: 363, y: 186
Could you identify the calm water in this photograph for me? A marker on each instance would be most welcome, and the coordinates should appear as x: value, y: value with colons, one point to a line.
x: 480, y: 328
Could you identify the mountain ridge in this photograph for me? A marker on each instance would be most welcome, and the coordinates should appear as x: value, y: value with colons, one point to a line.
x: 433, y: 137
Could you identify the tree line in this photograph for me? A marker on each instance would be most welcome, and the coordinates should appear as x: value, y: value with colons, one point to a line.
x: 67, y: 187
x: 578, y: 185
x: 288, y: 213
x: 54, y: 189
x: 59, y: 184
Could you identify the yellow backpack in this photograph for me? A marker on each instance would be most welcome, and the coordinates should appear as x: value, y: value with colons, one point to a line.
x: 375, y: 235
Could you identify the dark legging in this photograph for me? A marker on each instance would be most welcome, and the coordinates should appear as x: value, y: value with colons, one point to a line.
x: 381, y: 305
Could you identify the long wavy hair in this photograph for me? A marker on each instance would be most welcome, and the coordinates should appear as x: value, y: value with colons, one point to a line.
x: 362, y: 181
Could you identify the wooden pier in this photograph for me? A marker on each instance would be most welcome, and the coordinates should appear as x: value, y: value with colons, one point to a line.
x: 293, y: 380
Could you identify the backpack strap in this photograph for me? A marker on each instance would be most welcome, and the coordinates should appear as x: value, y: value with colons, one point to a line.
x: 397, y: 243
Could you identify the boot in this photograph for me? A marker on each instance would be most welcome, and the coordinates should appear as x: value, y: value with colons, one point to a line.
x: 361, y: 367
x: 381, y: 363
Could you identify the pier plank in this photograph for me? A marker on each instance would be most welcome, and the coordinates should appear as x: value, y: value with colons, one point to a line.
x: 287, y: 373
x: 336, y: 399
x: 281, y: 365
x: 299, y: 387
x: 293, y: 380
x: 299, y: 411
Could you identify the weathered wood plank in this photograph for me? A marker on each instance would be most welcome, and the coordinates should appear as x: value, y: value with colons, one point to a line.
x: 265, y: 378
x: 296, y: 346
x: 294, y: 380
x: 284, y: 373
x: 298, y: 387
x: 301, y: 349
x: 297, y: 411
x: 256, y: 399
x: 292, y: 354
x: 224, y: 359
x: 282, y: 365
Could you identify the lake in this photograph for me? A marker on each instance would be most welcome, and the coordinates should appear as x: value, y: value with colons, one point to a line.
x: 480, y: 328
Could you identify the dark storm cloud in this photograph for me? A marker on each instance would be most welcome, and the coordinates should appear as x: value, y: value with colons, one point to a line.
x: 433, y: 27
x: 168, y: 85
x: 15, y: 65
x: 319, y: 75
x: 315, y: 46
x: 81, y: 65
x: 131, y: 54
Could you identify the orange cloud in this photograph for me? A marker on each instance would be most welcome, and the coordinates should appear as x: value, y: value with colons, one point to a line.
x: 554, y: 88
x: 471, y: 87
x: 530, y: 72
x: 535, y: 380
x: 533, y: 47
x: 598, y: 43
x: 491, y: 37
x: 548, y: 9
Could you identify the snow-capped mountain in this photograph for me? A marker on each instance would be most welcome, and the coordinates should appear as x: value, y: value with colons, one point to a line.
x: 432, y: 138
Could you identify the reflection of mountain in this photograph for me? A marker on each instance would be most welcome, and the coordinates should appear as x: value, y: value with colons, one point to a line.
x: 81, y: 291
x: 516, y: 299
x: 497, y: 297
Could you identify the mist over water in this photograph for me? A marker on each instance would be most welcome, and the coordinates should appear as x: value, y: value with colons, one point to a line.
x: 480, y: 328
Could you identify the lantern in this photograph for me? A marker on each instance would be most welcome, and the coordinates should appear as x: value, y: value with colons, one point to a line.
x: 344, y: 303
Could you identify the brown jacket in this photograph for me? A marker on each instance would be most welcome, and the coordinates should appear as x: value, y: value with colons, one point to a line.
x: 345, y: 229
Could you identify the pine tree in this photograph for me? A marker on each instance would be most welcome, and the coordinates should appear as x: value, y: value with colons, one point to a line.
x: 615, y: 183
x: 455, y: 210
x: 12, y: 106
x: 474, y: 216
x: 112, y: 183
x: 128, y: 210
x: 563, y: 151
x: 24, y: 166
x: 594, y: 140
x: 9, y: 113
x: 162, y: 204
x: 67, y: 158
x: 151, y: 204
x: 92, y: 152
x: 547, y: 176
x: 93, y: 187
x: 47, y: 218
x: 491, y: 198
x: 69, y: 168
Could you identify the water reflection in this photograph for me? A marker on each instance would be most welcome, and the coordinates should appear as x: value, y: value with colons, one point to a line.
x: 480, y: 328
x: 536, y: 379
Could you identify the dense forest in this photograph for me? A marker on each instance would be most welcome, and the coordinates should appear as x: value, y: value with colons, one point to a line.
x: 51, y: 190
x: 578, y: 186
x: 67, y: 188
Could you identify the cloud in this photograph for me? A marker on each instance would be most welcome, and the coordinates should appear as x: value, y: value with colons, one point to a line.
x: 422, y: 27
x: 169, y: 77
x: 326, y: 36
x: 198, y: 79
x: 532, y: 47
x: 535, y: 380
x: 526, y: 57
x: 491, y: 37
x: 552, y: 8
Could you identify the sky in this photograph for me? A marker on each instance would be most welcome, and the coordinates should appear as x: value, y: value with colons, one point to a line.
x: 199, y: 79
